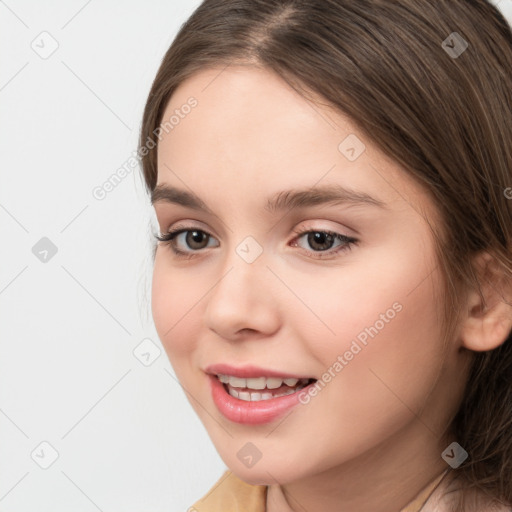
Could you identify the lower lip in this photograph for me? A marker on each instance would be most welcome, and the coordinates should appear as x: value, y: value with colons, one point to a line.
x: 251, y: 413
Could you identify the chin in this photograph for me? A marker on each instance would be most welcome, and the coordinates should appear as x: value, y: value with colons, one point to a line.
x: 265, y: 473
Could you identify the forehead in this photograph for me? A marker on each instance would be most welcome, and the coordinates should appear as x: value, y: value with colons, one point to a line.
x: 251, y: 130
x: 251, y: 110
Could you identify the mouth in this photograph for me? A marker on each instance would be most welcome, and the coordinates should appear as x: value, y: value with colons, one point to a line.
x: 257, y: 389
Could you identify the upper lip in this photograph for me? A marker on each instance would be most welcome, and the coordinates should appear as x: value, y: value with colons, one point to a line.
x: 249, y: 371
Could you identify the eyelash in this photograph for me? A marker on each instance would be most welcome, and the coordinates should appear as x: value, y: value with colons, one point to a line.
x: 168, y: 239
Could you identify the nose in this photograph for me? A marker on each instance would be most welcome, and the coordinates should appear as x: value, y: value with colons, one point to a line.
x: 243, y: 301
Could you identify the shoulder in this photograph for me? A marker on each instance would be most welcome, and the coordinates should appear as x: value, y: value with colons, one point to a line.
x: 231, y: 494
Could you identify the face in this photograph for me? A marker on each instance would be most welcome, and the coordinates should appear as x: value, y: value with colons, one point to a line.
x: 342, y: 291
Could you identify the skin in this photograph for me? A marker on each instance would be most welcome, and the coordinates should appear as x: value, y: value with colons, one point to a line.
x: 373, y: 436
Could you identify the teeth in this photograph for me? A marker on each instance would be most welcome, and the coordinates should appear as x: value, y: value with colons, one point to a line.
x: 256, y: 397
x: 274, y: 382
x: 223, y: 378
x: 259, y: 382
x: 237, y: 382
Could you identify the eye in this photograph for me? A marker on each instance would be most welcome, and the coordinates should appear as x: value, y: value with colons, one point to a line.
x: 322, y: 240
x: 196, y: 240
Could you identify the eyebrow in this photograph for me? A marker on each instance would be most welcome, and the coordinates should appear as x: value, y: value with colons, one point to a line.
x: 283, y: 200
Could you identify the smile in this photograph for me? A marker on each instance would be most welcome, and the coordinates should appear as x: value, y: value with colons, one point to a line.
x: 254, y: 401
x: 261, y: 388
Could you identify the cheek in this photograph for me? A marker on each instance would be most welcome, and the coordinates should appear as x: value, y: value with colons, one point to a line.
x: 173, y: 297
x: 387, y: 333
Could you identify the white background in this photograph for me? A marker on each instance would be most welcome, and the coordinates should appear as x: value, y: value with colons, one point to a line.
x: 127, y: 439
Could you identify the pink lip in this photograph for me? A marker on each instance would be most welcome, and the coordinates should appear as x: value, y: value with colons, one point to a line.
x: 250, y: 371
x: 251, y: 413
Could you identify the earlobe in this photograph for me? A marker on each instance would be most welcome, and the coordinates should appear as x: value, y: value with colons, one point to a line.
x: 488, y: 324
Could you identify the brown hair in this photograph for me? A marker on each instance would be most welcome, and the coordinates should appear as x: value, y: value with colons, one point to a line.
x: 447, y: 119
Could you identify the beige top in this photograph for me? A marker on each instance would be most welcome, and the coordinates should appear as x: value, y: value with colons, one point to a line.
x: 230, y: 494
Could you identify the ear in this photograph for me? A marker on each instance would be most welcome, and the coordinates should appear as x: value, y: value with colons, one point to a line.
x: 487, y: 324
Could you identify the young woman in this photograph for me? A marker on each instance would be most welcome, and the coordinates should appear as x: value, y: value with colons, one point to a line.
x: 332, y: 182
